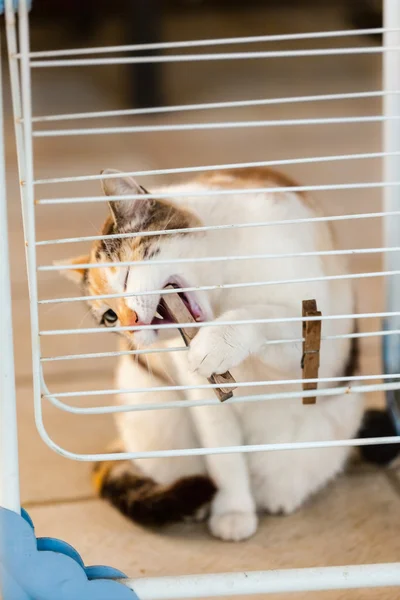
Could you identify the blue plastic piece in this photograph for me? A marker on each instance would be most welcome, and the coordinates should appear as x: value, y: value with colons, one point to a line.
x: 99, y: 572
x: 27, y: 517
x: 15, y: 4
x: 47, y: 569
x: 52, y: 545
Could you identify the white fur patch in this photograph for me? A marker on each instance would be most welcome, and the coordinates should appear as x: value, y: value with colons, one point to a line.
x: 273, y: 481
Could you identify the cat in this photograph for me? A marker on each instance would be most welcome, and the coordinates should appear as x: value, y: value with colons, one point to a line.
x: 234, y: 488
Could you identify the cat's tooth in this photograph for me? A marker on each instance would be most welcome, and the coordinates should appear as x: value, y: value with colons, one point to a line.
x: 158, y: 315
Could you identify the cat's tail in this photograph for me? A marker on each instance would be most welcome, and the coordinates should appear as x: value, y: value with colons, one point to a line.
x: 141, y: 499
x: 378, y: 423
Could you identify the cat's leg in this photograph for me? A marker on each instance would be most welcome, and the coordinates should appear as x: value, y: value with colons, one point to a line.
x: 148, y: 430
x: 219, y: 348
x: 216, y: 349
x: 233, y: 511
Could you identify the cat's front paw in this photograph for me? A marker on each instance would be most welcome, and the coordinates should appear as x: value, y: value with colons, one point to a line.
x: 233, y: 526
x: 216, y: 349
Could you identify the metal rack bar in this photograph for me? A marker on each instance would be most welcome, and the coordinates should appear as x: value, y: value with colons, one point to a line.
x: 266, y: 582
x: 212, y: 42
x: 9, y: 473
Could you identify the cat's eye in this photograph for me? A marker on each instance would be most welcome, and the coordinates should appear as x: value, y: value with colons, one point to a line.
x: 109, y: 318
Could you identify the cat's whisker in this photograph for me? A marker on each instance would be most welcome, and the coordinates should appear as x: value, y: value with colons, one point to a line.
x: 169, y: 218
x: 149, y: 366
x: 168, y: 375
x: 85, y: 316
x: 95, y: 228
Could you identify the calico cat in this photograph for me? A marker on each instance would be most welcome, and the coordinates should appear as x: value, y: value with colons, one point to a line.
x: 235, y: 487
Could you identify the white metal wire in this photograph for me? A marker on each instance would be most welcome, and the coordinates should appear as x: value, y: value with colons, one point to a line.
x: 225, y: 286
x: 216, y: 323
x: 391, y: 198
x: 211, y: 386
x: 21, y: 64
x: 267, y: 582
x: 211, y: 401
x: 381, y: 333
x: 201, y: 259
x: 209, y: 106
x: 211, y: 126
x: 91, y: 62
x: 16, y: 98
x: 210, y: 168
x: 92, y: 238
x: 243, y: 399
x: 213, y: 42
x: 26, y: 159
x: 9, y: 474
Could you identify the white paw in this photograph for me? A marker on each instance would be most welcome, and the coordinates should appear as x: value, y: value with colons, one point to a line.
x: 233, y: 526
x: 216, y: 350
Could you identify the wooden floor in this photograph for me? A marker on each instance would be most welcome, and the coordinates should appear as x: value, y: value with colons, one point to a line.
x: 356, y: 519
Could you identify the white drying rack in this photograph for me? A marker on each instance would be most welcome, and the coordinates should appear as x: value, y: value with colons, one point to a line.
x: 22, y: 61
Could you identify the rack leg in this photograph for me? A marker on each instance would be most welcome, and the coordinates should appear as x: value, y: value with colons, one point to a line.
x: 391, y: 198
x: 9, y: 474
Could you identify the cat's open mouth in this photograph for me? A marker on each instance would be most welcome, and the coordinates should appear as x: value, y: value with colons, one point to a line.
x: 162, y: 316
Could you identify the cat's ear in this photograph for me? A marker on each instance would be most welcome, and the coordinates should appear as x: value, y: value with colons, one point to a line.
x: 122, y: 185
x: 76, y: 273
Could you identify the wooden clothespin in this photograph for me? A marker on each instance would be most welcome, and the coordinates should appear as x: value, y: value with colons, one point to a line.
x: 311, y: 347
x: 178, y: 312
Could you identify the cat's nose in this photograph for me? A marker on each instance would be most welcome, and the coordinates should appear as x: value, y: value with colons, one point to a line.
x: 128, y: 317
x: 133, y: 319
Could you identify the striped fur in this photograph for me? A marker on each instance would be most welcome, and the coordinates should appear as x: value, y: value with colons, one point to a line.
x: 144, y: 501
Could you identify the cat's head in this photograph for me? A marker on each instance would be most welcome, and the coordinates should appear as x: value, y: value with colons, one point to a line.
x: 140, y: 215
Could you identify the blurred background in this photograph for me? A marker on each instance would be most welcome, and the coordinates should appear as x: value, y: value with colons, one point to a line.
x: 76, y: 23
x: 57, y: 491
x: 112, y: 87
